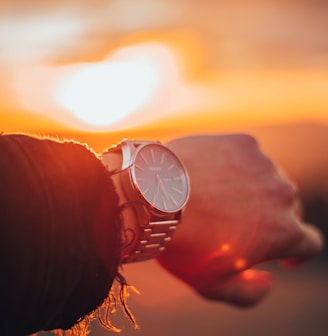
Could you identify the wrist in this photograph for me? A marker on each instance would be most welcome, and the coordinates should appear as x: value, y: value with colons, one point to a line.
x: 129, y: 239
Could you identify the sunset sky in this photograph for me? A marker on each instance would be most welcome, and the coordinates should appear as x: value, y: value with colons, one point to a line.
x: 122, y: 64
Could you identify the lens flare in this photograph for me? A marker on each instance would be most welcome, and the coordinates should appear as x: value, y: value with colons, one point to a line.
x: 240, y: 264
x: 106, y: 93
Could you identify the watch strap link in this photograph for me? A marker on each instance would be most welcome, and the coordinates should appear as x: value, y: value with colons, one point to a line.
x: 153, y: 240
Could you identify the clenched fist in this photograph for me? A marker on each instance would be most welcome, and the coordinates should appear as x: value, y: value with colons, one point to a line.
x: 241, y: 212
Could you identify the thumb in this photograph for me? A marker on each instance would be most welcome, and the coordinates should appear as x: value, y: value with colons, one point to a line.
x: 245, y: 289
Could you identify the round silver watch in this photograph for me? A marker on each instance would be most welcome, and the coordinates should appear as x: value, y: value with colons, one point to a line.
x: 153, y: 188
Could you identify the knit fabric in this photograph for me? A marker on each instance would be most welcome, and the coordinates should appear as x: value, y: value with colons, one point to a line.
x: 59, y: 234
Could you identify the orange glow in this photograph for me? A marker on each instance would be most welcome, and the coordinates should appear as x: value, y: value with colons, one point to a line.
x: 158, y: 92
x: 224, y: 250
x: 225, y: 247
x: 184, y: 93
x: 214, y: 67
x: 240, y: 264
x: 218, y: 256
x: 248, y: 274
x: 135, y: 85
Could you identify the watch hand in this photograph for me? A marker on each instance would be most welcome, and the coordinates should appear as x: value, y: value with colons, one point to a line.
x: 163, y: 189
x: 157, y: 189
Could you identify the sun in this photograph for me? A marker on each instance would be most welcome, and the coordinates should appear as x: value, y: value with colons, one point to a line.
x: 134, y: 85
x: 105, y: 93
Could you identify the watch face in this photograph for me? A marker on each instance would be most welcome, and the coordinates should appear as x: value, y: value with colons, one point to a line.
x: 160, y: 177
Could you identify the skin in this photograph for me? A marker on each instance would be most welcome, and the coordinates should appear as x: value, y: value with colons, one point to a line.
x: 241, y: 213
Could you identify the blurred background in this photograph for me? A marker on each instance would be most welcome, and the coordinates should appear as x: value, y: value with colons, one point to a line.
x: 99, y: 71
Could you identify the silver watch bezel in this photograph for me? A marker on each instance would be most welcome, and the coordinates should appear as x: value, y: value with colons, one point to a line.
x: 131, y: 185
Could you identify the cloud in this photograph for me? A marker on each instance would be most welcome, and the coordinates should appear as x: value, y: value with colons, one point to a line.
x: 32, y: 31
x: 38, y: 35
x: 238, y: 33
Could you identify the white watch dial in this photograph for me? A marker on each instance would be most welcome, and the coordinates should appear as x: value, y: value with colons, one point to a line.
x: 160, y: 177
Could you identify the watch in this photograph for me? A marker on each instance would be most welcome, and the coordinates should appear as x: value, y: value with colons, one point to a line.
x: 153, y: 188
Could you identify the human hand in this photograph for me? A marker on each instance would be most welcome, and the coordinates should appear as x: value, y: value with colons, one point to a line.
x: 241, y: 212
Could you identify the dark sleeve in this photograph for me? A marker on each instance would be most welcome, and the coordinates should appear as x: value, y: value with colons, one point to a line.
x: 59, y: 234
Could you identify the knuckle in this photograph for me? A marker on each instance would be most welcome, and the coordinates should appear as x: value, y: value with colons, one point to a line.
x: 282, y: 189
x: 287, y: 191
x: 248, y: 141
x: 241, y: 141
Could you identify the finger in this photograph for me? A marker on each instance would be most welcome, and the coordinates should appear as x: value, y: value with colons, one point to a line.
x: 245, y: 289
x: 294, y: 239
x: 309, y: 244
